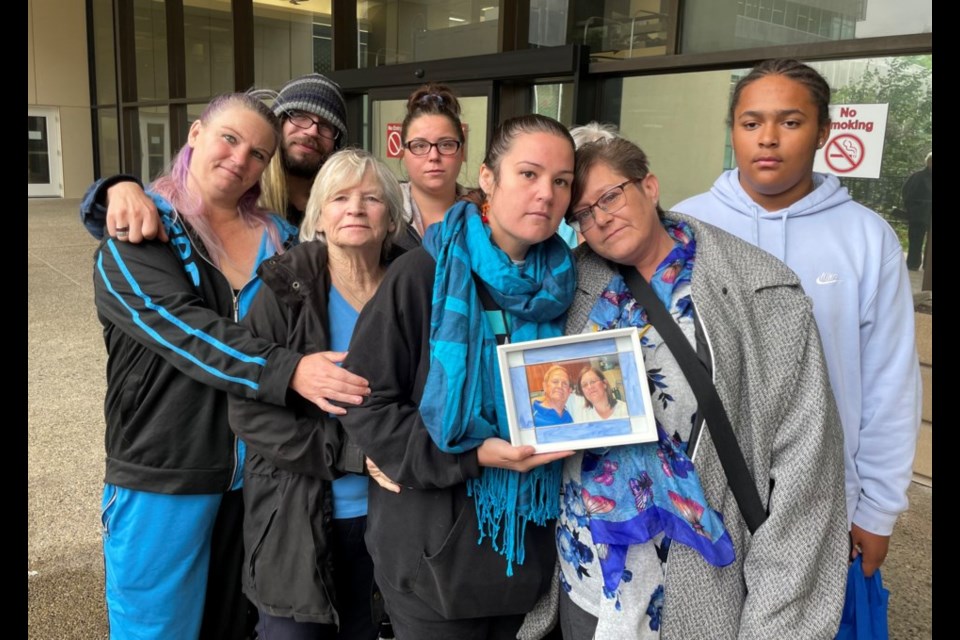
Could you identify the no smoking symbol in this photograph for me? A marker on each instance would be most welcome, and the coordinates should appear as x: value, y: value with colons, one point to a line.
x: 394, y: 144
x: 844, y: 153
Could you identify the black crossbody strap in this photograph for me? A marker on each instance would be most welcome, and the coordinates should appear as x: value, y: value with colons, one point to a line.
x: 724, y: 439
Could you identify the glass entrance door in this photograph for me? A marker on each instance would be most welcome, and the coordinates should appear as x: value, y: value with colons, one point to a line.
x: 43, y: 153
x: 154, y: 144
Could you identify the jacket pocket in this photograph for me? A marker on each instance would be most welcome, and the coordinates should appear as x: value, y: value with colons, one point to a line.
x: 464, y: 579
x: 261, y: 504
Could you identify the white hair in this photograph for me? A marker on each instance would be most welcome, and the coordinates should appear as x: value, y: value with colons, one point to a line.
x: 592, y: 132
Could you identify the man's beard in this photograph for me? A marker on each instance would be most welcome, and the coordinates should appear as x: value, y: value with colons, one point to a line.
x: 303, y: 168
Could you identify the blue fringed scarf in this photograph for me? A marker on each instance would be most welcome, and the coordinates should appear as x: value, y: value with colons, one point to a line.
x: 462, y: 401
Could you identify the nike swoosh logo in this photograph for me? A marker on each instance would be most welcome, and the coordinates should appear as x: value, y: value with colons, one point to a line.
x: 828, y: 278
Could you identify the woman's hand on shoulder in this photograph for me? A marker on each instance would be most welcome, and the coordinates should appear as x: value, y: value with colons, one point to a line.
x: 132, y: 215
x: 318, y: 379
x: 496, y: 452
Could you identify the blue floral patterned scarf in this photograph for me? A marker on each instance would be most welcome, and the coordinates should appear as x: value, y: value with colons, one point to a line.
x: 633, y: 493
x: 462, y: 401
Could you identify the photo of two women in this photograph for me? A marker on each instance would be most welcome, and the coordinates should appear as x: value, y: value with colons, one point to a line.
x: 583, y: 390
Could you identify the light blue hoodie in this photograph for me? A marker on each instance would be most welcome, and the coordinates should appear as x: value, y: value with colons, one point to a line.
x: 851, y: 265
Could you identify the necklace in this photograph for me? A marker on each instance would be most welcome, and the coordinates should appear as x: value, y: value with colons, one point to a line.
x: 347, y: 289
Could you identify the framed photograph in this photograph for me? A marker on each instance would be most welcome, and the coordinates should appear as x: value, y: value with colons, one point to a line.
x: 577, y: 392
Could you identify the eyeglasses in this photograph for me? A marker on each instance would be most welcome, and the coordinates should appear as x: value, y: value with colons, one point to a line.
x: 420, y: 147
x: 304, y: 121
x: 591, y: 384
x: 610, y: 202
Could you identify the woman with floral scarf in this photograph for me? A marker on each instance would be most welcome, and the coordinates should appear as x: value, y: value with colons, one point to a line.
x: 650, y: 538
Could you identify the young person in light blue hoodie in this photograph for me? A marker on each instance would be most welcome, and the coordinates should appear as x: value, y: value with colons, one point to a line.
x: 850, y: 263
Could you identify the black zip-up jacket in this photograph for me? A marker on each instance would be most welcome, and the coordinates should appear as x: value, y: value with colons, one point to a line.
x: 174, y: 353
x: 424, y: 540
x: 293, y: 452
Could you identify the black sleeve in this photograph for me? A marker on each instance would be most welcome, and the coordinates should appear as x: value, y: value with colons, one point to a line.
x: 306, y: 442
x: 144, y: 291
x: 391, y: 349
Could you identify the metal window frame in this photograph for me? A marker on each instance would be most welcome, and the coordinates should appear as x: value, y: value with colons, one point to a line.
x: 511, y: 71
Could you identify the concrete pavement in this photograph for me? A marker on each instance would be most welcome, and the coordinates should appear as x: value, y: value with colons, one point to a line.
x: 65, y: 451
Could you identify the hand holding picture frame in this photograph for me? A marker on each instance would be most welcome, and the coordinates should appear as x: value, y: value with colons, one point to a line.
x: 577, y: 392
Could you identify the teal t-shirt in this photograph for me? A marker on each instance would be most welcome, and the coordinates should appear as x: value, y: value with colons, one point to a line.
x: 350, y: 491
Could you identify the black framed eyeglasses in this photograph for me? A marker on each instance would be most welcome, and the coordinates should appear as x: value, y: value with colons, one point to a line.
x: 610, y: 202
x: 420, y: 147
x: 303, y: 120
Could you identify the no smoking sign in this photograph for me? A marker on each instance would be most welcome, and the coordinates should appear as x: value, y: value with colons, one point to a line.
x: 394, y: 142
x: 844, y: 153
x: 855, y: 146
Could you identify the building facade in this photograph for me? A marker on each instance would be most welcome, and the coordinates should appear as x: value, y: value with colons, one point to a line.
x: 114, y: 84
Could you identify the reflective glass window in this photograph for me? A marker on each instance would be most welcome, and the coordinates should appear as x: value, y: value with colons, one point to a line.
x: 548, y: 23
x: 394, y: 32
x: 150, y: 42
x: 291, y: 40
x: 104, y: 60
x: 208, y: 44
x: 38, y: 150
x: 108, y: 142
x: 622, y: 29
x: 554, y: 100
x: 154, y: 133
x: 719, y: 25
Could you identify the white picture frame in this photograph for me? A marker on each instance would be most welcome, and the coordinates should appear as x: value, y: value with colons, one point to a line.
x: 615, y: 354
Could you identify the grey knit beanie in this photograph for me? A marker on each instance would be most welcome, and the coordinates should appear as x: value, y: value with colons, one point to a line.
x: 315, y: 94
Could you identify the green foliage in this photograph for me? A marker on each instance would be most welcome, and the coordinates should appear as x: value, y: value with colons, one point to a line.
x: 906, y: 85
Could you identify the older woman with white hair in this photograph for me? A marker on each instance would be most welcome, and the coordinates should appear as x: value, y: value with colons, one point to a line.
x: 306, y: 566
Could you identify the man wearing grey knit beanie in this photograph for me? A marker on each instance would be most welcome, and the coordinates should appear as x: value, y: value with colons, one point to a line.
x: 313, y: 114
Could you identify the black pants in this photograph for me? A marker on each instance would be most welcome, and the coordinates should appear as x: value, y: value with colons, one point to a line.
x: 353, y: 578
x: 916, y: 232
x: 227, y: 614
x: 575, y: 623
x: 353, y: 582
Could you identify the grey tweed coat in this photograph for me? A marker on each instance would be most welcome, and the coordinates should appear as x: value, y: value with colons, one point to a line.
x: 788, y: 579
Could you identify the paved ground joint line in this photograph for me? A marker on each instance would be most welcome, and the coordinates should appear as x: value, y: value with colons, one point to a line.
x: 55, y: 270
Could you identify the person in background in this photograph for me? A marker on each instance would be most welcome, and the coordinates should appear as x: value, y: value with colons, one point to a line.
x: 593, y: 131
x: 917, y: 197
x: 850, y: 263
x: 599, y: 403
x: 650, y: 538
x: 432, y: 157
x: 436, y: 424
x: 552, y: 408
x: 313, y: 118
x: 306, y: 567
x: 171, y: 500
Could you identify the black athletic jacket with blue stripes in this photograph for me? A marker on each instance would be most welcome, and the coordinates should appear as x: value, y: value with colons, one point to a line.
x: 175, y: 351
